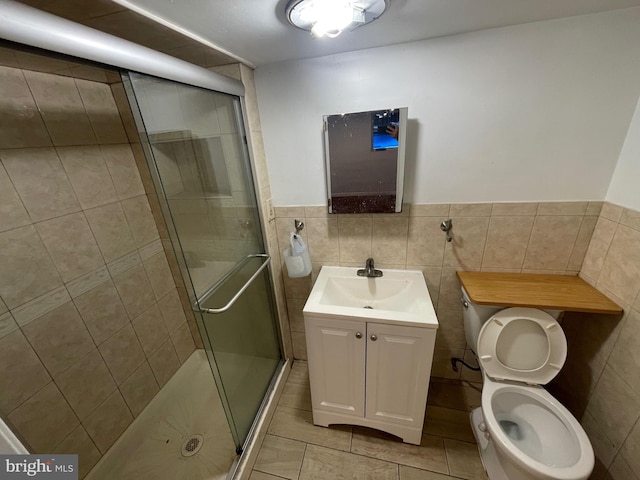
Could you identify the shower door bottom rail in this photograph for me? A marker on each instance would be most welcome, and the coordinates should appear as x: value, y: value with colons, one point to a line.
x: 239, y: 265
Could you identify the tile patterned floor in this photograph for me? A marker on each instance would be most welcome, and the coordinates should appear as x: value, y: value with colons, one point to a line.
x: 295, y: 449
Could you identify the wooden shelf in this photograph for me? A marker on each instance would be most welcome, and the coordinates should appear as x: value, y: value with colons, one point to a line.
x: 553, y: 292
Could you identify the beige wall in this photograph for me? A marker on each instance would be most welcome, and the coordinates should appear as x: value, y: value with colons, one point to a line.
x: 520, y: 237
x: 601, y: 380
x: 91, y: 324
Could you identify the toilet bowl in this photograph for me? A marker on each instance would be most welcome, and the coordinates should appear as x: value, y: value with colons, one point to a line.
x: 534, y: 436
x: 523, y: 432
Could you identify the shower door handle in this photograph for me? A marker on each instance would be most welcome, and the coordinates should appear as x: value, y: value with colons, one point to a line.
x: 241, y: 291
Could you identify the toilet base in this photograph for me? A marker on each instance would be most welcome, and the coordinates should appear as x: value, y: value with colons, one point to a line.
x: 488, y: 454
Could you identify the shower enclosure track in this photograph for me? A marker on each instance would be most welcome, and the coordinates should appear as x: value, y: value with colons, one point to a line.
x: 27, y: 25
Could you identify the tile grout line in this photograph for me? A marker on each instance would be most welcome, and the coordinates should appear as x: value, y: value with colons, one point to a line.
x: 575, y: 242
x: 270, y: 474
x: 446, y: 456
x: 350, y: 451
x: 526, y: 250
x: 302, y: 462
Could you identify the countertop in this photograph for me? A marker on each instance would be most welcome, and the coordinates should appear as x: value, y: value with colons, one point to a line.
x: 552, y: 292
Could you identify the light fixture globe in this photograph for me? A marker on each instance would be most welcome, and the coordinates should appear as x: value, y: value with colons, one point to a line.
x: 331, y: 17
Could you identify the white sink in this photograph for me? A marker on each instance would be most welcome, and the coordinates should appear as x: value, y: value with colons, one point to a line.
x: 400, y: 296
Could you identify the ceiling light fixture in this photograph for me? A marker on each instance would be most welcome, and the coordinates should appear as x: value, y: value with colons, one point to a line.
x: 329, y: 18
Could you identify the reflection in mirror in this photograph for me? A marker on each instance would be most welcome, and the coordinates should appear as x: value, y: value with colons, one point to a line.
x: 364, y: 155
x: 385, y: 127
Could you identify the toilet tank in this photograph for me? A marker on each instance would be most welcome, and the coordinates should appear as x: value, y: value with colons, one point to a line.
x: 474, y: 317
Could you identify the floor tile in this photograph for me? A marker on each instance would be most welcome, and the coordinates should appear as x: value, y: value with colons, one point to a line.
x: 280, y: 456
x: 410, y: 473
x: 322, y: 463
x: 455, y: 394
x: 429, y: 455
x: 449, y: 423
x: 464, y: 460
x: 298, y: 425
x: 299, y: 373
x: 255, y: 475
x: 296, y: 396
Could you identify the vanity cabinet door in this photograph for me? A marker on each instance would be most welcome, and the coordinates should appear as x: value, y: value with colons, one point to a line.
x: 398, y: 369
x: 336, y: 359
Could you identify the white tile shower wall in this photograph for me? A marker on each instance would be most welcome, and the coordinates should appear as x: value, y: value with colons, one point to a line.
x: 517, y: 237
x: 87, y: 296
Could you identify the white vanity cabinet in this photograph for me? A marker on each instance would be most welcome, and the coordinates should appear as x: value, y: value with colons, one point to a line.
x: 369, y: 373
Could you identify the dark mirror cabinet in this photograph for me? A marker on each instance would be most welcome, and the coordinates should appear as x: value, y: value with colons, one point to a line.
x: 365, y: 156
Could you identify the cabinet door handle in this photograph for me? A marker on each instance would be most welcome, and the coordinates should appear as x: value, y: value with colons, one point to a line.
x: 358, y: 335
x: 374, y: 337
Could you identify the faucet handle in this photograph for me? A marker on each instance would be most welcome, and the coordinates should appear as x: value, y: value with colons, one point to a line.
x: 369, y: 270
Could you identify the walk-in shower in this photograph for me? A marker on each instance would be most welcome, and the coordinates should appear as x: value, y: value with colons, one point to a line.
x: 195, y: 142
x: 97, y: 296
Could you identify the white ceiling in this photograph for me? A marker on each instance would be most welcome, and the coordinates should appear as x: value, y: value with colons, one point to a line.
x: 257, y: 32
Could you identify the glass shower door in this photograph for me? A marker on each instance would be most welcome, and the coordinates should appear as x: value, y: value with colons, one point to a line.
x: 196, y: 150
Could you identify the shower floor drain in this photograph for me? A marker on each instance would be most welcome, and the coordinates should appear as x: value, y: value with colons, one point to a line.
x: 192, y: 445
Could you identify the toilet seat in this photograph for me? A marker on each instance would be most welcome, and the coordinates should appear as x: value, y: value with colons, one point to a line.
x: 522, y: 345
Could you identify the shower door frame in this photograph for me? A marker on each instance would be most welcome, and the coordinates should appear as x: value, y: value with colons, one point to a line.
x: 249, y: 164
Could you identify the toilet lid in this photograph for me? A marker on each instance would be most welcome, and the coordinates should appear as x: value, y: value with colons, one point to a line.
x: 523, y: 345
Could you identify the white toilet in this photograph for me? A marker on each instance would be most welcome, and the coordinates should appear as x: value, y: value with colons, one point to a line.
x: 523, y: 433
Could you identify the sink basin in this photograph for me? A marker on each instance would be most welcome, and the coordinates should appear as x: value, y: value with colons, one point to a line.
x: 399, y: 295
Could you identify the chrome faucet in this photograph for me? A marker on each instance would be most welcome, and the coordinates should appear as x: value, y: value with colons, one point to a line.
x: 369, y: 270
